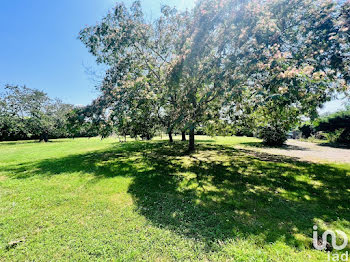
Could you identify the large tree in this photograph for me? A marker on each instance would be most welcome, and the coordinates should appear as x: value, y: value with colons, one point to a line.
x: 281, y: 59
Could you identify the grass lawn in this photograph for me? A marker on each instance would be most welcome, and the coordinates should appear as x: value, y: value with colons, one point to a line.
x: 102, y: 200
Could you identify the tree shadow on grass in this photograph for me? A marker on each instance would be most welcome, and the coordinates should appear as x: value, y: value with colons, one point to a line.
x: 218, y: 192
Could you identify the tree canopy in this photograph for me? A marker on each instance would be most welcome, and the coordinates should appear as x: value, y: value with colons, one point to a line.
x: 274, y: 60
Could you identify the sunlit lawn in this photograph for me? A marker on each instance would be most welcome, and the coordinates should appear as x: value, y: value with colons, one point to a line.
x: 87, y: 199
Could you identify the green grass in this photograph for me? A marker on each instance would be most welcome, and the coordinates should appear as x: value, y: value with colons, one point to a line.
x: 87, y: 199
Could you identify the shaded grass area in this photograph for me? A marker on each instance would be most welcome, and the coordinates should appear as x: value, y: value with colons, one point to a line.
x: 153, y: 201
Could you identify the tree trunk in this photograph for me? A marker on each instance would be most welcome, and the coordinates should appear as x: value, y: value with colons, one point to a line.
x: 183, y: 136
x: 191, y: 146
x: 171, y: 137
x: 44, y: 137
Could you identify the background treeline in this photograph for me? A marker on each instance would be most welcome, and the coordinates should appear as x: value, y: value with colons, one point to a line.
x: 333, y: 127
x: 30, y: 114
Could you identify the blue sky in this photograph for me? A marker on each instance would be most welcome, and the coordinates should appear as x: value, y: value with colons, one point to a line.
x: 39, y: 46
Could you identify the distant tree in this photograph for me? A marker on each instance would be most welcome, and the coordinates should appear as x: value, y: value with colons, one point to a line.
x: 337, y: 123
x: 58, y: 111
x: 80, y: 126
x: 28, y: 113
x: 10, y: 126
x: 19, y: 106
x: 307, y: 129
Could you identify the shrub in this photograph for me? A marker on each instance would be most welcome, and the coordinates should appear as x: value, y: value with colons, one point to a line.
x: 307, y: 130
x: 341, y: 136
x: 244, y: 131
x: 273, y: 136
x: 337, y: 126
x: 320, y: 136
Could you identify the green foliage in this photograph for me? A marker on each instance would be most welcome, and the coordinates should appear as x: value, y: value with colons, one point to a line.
x: 79, y: 126
x: 182, y: 70
x: 273, y: 135
x: 332, y: 122
x: 307, y: 130
x: 242, y: 122
x: 26, y: 113
x: 336, y: 125
x: 134, y: 99
x: 337, y: 136
x: 217, y: 128
x: 281, y: 59
x: 289, y: 57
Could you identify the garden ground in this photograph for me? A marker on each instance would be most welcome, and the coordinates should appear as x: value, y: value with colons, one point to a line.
x: 103, y: 200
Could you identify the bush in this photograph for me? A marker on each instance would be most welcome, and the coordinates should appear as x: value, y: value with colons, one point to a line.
x: 320, y: 136
x: 337, y: 127
x: 273, y: 136
x: 245, y: 132
x: 340, y: 136
x: 307, y: 130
